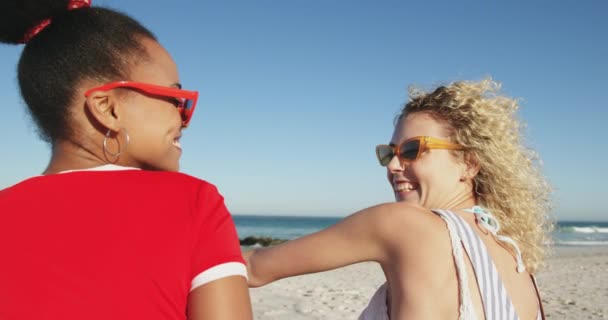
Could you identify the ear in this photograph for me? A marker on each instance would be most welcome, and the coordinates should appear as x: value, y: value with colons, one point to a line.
x: 102, y: 106
x: 472, y: 165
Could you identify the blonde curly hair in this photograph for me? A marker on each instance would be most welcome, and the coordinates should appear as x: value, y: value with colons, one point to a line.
x: 509, y: 183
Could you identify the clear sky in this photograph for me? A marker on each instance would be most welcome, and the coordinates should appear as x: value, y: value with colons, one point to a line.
x: 296, y: 94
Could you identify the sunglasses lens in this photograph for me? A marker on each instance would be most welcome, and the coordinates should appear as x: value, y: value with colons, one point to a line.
x: 186, y: 110
x: 385, y: 154
x: 409, y: 150
x: 188, y: 105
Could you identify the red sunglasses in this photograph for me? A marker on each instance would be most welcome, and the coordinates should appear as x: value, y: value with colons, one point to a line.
x: 185, y: 101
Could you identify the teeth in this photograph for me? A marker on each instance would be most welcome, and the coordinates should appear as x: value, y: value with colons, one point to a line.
x: 404, y: 187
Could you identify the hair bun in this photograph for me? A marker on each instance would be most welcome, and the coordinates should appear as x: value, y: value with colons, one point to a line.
x: 17, y: 17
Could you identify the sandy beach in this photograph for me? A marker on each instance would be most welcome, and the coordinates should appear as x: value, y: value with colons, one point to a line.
x: 574, y: 285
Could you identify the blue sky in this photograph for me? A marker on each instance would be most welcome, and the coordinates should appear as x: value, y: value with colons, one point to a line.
x: 296, y: 94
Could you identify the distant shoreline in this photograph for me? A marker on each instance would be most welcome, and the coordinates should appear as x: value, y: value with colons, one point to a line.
x: 275, y: 229
x: 334, y: 216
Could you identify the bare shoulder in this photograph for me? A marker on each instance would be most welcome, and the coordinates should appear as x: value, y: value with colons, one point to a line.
x: 405, y: 218
x: 402, y: 224
x: 414, y: 239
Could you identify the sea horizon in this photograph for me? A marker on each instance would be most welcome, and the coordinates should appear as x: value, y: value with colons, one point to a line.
x: 287, y: 227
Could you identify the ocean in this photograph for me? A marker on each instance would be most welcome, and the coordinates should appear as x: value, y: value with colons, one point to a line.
x: 566, y: 233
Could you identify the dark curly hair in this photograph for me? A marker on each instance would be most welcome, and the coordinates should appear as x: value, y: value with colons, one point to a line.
x: 88, y: 43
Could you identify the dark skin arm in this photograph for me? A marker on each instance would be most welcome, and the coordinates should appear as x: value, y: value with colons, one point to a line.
x: 226, y: 298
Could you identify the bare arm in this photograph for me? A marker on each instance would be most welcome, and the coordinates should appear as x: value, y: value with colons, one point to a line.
x: 359, y: 237
x: 226, y: 298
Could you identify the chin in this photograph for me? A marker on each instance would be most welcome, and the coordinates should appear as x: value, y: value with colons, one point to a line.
x: 405, y: 200
x: 410, y: 197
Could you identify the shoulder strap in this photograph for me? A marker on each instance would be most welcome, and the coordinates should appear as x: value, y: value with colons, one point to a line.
x: 497, y: 304
x: 466, y: 310
x: 540, y: 301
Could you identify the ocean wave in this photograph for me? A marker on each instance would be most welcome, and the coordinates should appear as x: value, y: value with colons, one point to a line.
x: 581, y: 243
x: 589, y: 229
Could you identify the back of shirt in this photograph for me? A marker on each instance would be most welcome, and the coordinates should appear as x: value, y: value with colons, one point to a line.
x: 125, y: 244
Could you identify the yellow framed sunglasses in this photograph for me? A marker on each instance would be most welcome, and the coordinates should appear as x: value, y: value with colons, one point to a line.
x: 411, y: 149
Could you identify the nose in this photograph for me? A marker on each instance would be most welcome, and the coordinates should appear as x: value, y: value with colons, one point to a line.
x: 395, y: 165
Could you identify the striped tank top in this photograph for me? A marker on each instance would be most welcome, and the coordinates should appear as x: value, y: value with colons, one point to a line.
x: 496, y: 302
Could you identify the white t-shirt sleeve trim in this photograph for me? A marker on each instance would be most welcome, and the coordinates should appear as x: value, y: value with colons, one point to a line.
x: 220, y: 271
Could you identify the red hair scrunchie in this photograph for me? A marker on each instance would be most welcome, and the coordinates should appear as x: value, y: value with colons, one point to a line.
x: 32, y: 32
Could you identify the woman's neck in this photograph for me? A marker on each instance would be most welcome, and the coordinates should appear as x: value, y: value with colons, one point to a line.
x: 67, y: 155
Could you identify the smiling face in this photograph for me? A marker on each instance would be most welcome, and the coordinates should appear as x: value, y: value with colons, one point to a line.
x: 153, y: 123
x: 434, y: 180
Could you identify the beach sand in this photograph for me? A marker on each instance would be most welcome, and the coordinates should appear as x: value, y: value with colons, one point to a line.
x: 573, y: 285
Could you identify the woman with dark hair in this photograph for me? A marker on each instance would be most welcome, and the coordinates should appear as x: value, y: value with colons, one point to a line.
x: 110, y: 230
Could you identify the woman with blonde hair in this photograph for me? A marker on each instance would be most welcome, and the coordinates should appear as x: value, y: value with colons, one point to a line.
x: 469, y: 224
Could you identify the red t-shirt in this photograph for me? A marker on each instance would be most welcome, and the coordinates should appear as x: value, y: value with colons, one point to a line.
x: 126, y: 244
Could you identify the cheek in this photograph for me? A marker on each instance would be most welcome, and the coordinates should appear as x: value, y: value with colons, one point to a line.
x: 157, y: 112
x: 148, y: 132
x: 143, y: 142
x: 431, y: 171
x: 439, y: 174
x: 423, y: 172
x: 166, y: 112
